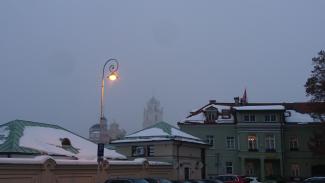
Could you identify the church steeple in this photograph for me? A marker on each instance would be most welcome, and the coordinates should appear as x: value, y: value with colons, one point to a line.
x: 153, y: 113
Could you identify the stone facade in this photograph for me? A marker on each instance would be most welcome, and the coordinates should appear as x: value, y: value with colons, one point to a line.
x: 56, y: 171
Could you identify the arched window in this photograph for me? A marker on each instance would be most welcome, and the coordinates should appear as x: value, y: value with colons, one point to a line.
x: 65, y: 142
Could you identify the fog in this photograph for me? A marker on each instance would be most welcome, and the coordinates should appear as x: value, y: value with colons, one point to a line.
x: 182, y: 52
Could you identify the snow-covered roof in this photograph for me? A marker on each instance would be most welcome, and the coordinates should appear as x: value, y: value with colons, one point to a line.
x: 199, y: 117
x: 196, y: 118
x: 260, y: 107
x: 219, y: 107
x: 40, y: 138
x: 296, y: 117
x: 43, y: 158
x: 4, y: 132
x: 160, y: 132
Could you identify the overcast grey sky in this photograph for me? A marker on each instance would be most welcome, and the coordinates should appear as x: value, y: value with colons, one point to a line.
x: 183, y: 52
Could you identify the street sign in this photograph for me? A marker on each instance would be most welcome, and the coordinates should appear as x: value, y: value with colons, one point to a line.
x: 100, y: 152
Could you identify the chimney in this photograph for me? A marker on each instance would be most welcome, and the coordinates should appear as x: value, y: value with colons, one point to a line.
x: 236, y: 101
x: 212, y: 101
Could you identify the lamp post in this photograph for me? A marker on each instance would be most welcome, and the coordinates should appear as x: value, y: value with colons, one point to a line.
x: 112, y: 75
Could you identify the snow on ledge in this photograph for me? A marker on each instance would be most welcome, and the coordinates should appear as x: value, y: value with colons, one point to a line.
x: 260, y: 107
x: 38, y: 160
x: 35, y: 160
x: 296, y: 117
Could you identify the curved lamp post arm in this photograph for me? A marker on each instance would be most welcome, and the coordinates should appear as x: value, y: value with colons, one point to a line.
x: 112, y: 67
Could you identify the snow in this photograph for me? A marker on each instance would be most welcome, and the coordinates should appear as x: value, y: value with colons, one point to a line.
x: 178, y: 133
x: 47, y: 140
x: 4, y: 132
x: 260, y: 107
x: 149, y: 132
x: 157, y: 132
x: 200, y: 117
x: 196, y: 118
x: 150, y: 139
x: 42, y: 159
x: 219, y: 107
x: 296, y: 117
x: 35, y: 160
x: 137, y: 161
x: 141, y: 139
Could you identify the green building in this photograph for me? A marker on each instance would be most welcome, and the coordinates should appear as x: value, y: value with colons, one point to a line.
x: 264, y: 140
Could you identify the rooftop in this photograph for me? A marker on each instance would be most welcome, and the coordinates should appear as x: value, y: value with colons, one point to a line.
x: 34, y: 138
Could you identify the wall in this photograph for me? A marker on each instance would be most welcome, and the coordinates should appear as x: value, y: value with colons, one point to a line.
x: 217, y: 155
x: 181, y: 154
x: 303, y: 156
x: 51, y: 172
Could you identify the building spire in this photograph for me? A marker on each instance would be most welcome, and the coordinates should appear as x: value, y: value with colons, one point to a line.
x: 244, y: 99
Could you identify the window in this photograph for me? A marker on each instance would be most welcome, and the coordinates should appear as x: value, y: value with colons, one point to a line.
x: 270, y: 118
x: 65, y: 142
x: 295, y: 170
x: 211, y: 114
x: 293, y: 143
x: 249, y: 118
x: 138, y: 151
x: 252, y: 143
x: 229, y: 168
x: 151, y: 150
x: 270, y: 143
x: 210, y: 139
x: 225, y: 114
x: 230, y: 142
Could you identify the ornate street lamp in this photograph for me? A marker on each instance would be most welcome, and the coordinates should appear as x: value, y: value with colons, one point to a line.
x: 112, y: 75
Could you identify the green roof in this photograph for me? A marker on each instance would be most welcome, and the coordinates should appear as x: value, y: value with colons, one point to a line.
x: 166, y: 127
x: 16, y: 130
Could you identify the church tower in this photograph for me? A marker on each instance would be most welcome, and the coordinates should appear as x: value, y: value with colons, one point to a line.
x: 153, y: 113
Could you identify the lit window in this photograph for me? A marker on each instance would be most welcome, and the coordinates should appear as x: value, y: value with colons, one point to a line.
x: 229, y: 168
x: 230, y: 142
x: 252, y: 143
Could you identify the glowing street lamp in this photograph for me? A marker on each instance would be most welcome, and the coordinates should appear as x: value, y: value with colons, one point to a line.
x: 112, y: 75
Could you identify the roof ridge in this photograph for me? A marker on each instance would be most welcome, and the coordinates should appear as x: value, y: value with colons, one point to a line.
x: 153, y: 126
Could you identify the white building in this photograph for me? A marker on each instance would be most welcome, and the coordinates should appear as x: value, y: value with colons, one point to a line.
x: 153, y: 113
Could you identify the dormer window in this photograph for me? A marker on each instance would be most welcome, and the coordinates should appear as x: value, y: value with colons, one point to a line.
x: 225, y: 114
x: 211, y: 114
x: 65, y: 142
